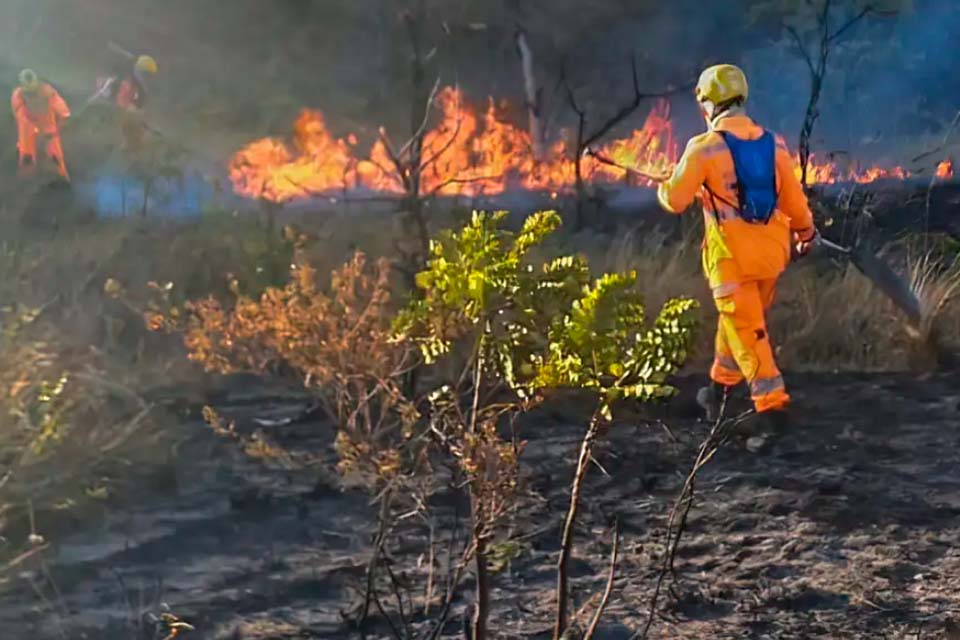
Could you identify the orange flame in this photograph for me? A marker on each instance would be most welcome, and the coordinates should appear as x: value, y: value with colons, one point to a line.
x: 465, y: 154
x: 831, y: 173
x: 945, y: 169
x: 471, y: 154
x: 318, y: 163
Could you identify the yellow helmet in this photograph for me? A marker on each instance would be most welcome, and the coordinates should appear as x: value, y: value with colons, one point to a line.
x: 722, y: 83
x: 28, y: 79
x: 146, y: 64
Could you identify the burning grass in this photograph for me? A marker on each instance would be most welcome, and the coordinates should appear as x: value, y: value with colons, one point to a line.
x: 469, y: 153
x: 466, y: 153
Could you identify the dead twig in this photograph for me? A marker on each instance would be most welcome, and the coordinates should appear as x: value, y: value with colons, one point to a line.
x: 378, y: 543
x: 23, y: 557
x: 386, y: 616
x: 605, y: 599
x: 569, y: 526
x: 946, y: 139
x: 395, y: 585
x: 418, y: 134
x: 446, y: 183
x: 677, y: 520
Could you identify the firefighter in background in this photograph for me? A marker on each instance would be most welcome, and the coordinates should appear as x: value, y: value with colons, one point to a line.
x: 128, y: 91
x: 39, y: 110
x: 756, y: 214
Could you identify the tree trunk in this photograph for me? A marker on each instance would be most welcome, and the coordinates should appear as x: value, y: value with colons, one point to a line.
x: 809, y: 120
x: 421, y: 94
x: 580, y: 220
x: 532, y: 92
x: 566, y: 544
x: 481, y: 613
x: 383, y: 524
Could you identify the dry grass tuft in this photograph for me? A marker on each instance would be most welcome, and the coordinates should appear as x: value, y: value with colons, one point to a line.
x: 936, y: 283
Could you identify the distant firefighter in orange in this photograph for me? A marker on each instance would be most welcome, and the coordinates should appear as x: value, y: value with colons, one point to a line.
x: 39, y: 110
x: 127, y: 89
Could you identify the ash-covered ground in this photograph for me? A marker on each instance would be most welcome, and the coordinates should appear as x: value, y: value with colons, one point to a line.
x: 848, y: 528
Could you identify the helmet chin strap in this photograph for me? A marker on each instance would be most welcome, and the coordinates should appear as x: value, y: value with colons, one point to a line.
x: 713, y: 117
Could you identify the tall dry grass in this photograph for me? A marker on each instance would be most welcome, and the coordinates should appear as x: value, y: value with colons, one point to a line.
x: 83, y: 385
x: 827, y: 315
x: 57, y: 319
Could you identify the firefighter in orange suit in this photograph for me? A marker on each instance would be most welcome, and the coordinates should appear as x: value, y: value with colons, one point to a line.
x: 39, y: 111
x: 755, y: 214
x: 127, y: 89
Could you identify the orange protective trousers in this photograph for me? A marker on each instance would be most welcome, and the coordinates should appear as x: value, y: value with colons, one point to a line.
x: 743, y: 350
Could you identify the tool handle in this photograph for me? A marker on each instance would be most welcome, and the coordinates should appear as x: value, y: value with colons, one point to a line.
x: 113, y: 46
x: 833, y: 246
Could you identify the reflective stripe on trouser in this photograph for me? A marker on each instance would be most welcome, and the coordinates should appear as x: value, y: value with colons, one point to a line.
x: 743, y: 349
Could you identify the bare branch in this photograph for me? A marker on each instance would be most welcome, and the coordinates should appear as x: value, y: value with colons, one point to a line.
x: 869, y: 9
x: 568, y: 88
x: 942, y: 145
x: 397, y: 594
x: 623, y: 112
x: 605, y: 599
x: 676, y: 522
x: 446, y: 147
x: 801, y: 47
x: 426, y: 119
x: 391, y: 153
x: 451, y: 181
x: 627, y: 110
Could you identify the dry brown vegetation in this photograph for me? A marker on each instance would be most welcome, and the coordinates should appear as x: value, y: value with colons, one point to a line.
x: 58, y: 322
x: 89, y: 389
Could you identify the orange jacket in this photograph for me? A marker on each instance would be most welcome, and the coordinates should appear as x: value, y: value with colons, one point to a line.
x: 735, y: 250
x: 130, y: 94
x: 44, y: 108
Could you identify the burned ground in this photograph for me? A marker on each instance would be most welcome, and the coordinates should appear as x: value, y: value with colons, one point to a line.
x: 849, y: 528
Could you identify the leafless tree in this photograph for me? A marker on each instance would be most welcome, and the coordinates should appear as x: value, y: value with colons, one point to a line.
x: 816, y: 55
x: 586, y: 138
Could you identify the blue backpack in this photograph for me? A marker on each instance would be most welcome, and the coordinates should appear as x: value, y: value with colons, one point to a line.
x: 755, y: 164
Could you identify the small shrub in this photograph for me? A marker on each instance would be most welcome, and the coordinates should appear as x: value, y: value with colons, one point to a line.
x: 336, y: 342
x: 523, y: 329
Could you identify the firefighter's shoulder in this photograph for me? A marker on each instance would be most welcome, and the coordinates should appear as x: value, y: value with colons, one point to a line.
x: 706, y: 142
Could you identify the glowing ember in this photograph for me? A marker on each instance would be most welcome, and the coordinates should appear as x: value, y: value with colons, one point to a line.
x: 945, y: 170
x: 471, y: 154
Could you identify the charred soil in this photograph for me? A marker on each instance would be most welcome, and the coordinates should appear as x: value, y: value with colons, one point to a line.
x: 848, y: 528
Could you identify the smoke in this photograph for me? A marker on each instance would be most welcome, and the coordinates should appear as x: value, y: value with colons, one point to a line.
x: 891, y: 84
x: 254, y: 64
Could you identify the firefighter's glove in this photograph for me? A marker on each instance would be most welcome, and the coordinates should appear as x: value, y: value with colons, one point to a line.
x: 804, y: 241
